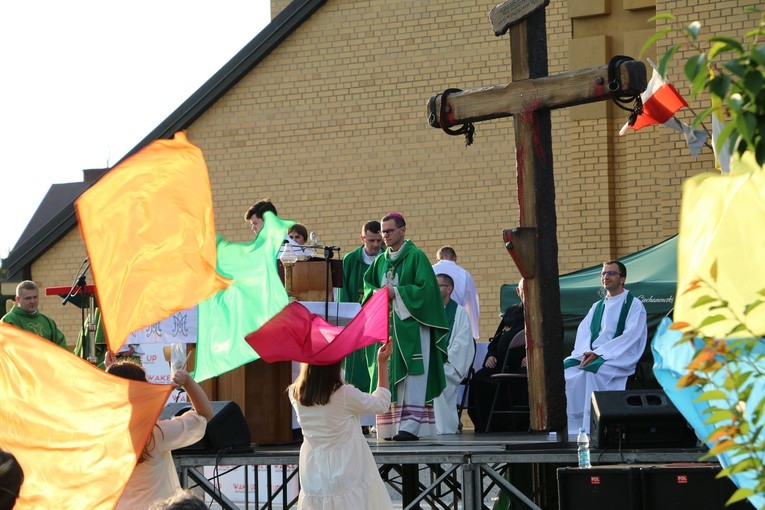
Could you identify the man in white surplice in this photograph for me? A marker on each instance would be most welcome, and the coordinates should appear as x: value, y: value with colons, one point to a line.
x: 461, y: 354
x: 464, y: 293
x: 609, y: 343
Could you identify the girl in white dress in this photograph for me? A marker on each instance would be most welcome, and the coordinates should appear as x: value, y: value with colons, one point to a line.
x: 154, y: 477
x: 337, y: 469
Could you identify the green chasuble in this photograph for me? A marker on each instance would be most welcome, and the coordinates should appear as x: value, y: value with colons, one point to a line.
x: 412, y: 275
x: 354, y: 268
x: 357, y: 363
x: 36, y: 323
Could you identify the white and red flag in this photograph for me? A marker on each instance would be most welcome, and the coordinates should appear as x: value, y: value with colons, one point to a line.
x: 660, y: 102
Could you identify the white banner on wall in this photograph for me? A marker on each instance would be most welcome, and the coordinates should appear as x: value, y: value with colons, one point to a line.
x: 179, y: 327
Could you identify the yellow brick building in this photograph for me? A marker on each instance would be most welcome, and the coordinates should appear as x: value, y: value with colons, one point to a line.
x: 325, y: 112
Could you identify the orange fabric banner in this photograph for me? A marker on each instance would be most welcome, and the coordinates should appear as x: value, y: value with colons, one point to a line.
x: 149, y: 230
x: 76, y: 431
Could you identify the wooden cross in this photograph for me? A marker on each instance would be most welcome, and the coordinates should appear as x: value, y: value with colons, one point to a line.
x: 533, y: 245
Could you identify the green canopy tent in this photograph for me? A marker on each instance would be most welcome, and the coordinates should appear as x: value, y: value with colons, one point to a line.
x: 651, y: 276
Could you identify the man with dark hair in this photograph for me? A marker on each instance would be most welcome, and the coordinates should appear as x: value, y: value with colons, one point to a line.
x: 418, y: 328
x: 255, y: 214
x: 609, y: 343
x: 25, y: 315
x: 355, y: 264
x: 464, y: 293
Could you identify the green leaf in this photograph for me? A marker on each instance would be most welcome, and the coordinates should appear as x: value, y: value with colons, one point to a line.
x: 720, y: 415
x: 735, y: 67
x: 739, y: 495
x: 746, y: 123
x: 696, y: 71
x: 652, y: 40
x: 736, y: 329
x: 701, y: 117
x: 662, y: 16
x: 758, y: 54
x: 703, y: 300
x: 711, y: 395
x: 726, y: 136
x: 711, y: 320
x: 713, y: 271
x: 719, y: 85
x: 732, y: 44
x: 759, y: 152
x: 717, y: 48
x: 742, y: 379
x: 665, y: 59
x: 753, y: 82
x: 751, y: 306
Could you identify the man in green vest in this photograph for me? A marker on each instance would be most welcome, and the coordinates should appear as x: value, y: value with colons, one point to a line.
x: 609, y: 343
x: 355, y: 264
x: 24, y: 314
x: 418, y: 329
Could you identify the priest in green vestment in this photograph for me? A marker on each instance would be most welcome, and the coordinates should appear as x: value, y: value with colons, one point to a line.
x: 355, y: 264
x: 26, y: 316
x: 418, y: 328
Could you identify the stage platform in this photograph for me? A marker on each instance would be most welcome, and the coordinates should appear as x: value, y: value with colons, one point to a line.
x: 448, y: 471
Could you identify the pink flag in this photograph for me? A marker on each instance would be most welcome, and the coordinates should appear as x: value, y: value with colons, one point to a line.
x: 295, y: 334
x: 660, y: 102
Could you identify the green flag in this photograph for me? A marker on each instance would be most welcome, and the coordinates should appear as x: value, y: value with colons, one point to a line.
x: 254, y: 297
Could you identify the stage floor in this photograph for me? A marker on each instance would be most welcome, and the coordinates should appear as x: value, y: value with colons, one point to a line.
x: 467, y: 466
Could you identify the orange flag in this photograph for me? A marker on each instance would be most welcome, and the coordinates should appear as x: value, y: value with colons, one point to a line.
x: 149, y: 230
x: 76, y: 431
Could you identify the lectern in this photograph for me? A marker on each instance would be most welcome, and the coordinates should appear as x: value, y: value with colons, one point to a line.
x: 259, y: 387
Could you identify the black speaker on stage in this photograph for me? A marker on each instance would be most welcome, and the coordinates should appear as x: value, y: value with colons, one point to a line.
x: 599, y: 487
x: 227, y: 430
x: 681, y: 486
x: 637, y: 419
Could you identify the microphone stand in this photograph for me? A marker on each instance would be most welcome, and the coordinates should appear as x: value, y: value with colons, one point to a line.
x: 88, y: 327
x: 328, y: 252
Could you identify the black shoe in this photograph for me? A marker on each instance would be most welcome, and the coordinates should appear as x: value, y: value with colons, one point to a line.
x: 403, y: 435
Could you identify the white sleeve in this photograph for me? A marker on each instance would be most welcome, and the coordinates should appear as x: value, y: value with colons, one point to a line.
x: 583, y: 334
x: 461, y: 348
x: 180, y: 431
x: 359, y: 402
x: 472, y: 305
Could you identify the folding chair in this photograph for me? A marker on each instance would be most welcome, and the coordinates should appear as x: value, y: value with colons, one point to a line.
x: 504, y: 380
x: 465, y: 383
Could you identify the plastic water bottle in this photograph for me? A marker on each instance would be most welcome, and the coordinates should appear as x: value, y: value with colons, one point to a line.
x: 583, y: 444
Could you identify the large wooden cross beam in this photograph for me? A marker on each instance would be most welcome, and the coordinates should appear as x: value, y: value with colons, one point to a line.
x: 533, y: 245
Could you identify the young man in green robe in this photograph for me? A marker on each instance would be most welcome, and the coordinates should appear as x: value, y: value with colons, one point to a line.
x: 418, y: 328
x: 24, y: 314
x: 355, y: 264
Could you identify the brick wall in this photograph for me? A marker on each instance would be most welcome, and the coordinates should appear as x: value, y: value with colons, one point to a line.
x: 332, y: 126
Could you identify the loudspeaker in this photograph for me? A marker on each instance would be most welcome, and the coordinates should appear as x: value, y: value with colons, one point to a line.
x: 227, y: 430
x: 599, y: 487
x: 681, y: 486
x: 637, y: 419
x: 646, y: 487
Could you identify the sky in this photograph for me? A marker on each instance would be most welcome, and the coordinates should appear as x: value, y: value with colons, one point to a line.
x: 84, y: 81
